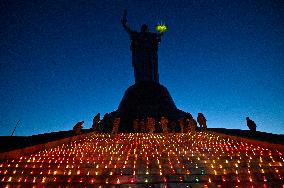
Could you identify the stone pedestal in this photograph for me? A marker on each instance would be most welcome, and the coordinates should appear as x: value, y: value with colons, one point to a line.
x: 146, y: 99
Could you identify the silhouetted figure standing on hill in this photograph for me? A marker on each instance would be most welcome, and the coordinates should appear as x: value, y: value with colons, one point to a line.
x: 106, y: 123
x: 142, y: 126
x: 150, y: 124
x: 187, y: 119
x: 192, y: 125
x: 136, y: 125
x: 173, y: 125
x: 251, y: 124
x: 96, y: 120
x: 181, y: 123
x: 78, y: 127
x: 201, y: 121
x: 164, y: 124
x: 144, y: 47
x: 115, y: 126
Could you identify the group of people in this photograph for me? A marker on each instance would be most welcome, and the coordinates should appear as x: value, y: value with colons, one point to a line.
x: 144, y: 125
x: 149, y: 125
x: 77, y: 129
x: 183, y: 125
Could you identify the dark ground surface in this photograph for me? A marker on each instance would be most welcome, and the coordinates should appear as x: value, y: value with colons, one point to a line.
x: 261, y: 136
x: 8, y: 143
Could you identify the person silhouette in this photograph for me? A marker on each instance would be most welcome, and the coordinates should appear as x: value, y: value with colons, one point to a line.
x: 78, y: 127
x: 96, y: 121
x: 202, y: 121
x: 251, y: 124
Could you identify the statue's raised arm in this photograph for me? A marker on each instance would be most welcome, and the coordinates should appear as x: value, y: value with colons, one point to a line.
x: 124, y: 22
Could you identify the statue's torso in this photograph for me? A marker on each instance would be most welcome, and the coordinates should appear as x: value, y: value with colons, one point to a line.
x: 144, y: 46
x: 144, y: 41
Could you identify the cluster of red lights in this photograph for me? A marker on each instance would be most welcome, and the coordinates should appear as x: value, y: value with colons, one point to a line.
x: 138, y: 159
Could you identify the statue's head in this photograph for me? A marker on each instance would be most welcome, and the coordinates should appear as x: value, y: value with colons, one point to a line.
x: 144, y: 28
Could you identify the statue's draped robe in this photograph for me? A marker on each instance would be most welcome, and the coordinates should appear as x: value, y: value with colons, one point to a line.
x: 144, y: 47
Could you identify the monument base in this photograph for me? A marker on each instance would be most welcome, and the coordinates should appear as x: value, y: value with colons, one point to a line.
x: 145, y: 99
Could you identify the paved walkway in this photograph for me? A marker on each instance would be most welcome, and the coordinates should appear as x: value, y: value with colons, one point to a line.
x: 200, y: 159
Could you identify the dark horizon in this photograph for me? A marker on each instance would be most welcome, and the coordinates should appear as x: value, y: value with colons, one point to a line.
x: 64, y: 62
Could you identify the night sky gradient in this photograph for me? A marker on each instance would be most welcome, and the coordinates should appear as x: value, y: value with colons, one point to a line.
x: 64, y: 61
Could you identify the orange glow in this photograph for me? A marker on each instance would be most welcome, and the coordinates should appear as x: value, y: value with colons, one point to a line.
x: 131, y: 158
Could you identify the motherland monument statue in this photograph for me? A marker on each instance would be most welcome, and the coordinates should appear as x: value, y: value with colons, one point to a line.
x: 147, y: 97
x: 144, y: 47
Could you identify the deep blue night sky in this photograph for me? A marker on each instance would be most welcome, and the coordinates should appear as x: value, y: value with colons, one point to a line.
x: 64, y: 61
